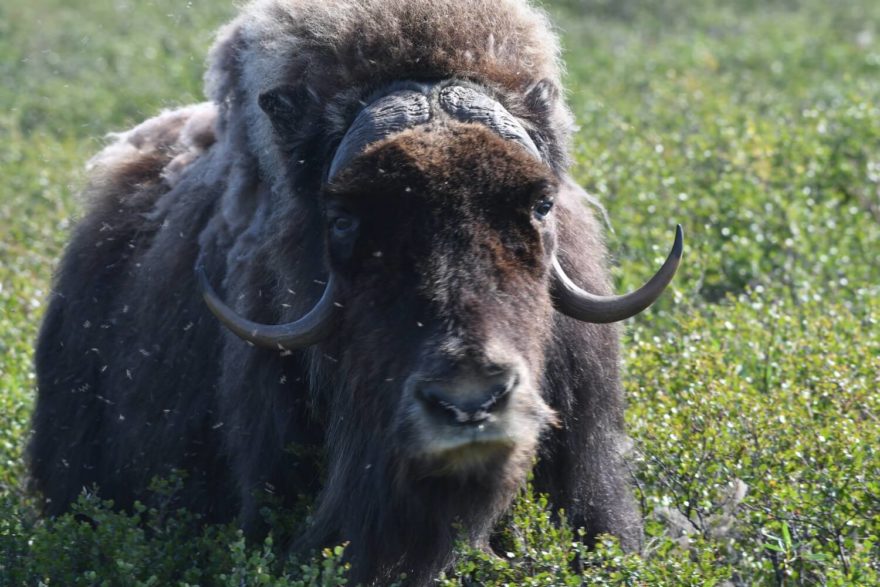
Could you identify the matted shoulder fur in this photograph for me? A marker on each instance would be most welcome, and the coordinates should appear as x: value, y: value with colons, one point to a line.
x: 137, y: 379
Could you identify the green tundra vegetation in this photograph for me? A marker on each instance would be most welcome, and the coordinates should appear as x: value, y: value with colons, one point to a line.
x: 752, y: 386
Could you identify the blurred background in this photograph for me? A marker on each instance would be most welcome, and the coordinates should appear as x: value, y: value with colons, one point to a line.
x: 752, y: 385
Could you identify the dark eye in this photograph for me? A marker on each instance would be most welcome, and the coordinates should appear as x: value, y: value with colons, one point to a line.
x: 542, y: 208
x: 344, y: 225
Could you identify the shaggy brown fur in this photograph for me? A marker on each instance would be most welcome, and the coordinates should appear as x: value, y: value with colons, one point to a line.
x: 136, y: 378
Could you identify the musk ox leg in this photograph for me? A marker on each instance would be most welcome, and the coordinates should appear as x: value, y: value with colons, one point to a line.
x: 581, y: 466
x: 271, y: 425
x: 269, y: 431
x: 63, y: 455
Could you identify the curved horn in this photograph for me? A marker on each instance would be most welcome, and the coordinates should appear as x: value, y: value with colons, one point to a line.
x: 308, y: 330
x: 469, y: 105
x: 392, y: 113
x: 576, y: 303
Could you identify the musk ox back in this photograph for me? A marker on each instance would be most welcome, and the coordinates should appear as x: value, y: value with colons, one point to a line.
x: 366, y: 246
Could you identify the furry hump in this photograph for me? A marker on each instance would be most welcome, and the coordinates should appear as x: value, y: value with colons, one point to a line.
x: 338, y: 48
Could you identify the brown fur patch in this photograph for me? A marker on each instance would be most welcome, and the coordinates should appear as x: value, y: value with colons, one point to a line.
x: 460, y: 154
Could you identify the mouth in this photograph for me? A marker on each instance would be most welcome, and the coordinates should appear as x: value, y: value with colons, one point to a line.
x: 455, y: 450
x: 476, y: 437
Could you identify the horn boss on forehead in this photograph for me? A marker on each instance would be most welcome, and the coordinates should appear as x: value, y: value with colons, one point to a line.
x: 468, y: 105
x: 390, y: 114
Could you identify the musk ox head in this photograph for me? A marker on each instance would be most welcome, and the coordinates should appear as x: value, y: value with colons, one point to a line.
x: 440, y: 240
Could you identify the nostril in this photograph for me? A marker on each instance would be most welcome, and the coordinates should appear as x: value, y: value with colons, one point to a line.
x: 440, y: 404
x: 429, y: 395
x: 498, y: 396
x: 496, y: 370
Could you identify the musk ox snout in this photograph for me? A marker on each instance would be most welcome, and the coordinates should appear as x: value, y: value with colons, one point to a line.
x: 467, y: 396
x: 463, y: 414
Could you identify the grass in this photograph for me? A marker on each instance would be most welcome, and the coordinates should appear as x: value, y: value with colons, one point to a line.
x: 752, y: 387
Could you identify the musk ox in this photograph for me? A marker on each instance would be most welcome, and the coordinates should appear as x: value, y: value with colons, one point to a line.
x: 366, y: 245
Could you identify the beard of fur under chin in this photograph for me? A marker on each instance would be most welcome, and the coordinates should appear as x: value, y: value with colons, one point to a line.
x: 417, y: 506
x: 460, y: 504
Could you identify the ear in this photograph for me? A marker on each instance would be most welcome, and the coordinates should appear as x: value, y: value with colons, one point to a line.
x: 285, y: 106
x: 542, y: 97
